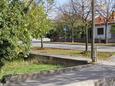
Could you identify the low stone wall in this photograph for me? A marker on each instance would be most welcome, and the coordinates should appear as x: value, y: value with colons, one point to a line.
x: 48, y: 59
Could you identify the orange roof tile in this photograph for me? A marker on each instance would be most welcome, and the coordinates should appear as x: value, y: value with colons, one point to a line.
x: 101, y: 20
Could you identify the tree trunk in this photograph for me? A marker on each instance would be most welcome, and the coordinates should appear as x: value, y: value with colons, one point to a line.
x: 86, y: 39
x: 42, y: 42
x: 72, y: 35
x: 106, y: 32
x: 65, y: 36
x: 106, y: 25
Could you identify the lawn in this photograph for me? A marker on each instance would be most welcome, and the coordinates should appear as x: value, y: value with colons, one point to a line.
x: 22, y: 67
x: 100, y: 55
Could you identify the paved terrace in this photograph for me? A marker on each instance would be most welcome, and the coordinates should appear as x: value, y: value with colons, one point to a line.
x: 83, y: 77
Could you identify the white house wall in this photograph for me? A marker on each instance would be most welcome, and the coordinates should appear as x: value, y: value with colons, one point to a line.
x: 103, y: 36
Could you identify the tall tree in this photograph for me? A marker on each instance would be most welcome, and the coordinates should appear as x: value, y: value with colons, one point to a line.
x: 40, y: 23
x: 83, y: 8
x: 70, y: 18
x: 79, y: 12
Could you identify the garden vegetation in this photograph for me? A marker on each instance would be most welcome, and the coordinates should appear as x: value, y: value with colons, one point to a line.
x: 19, y: 23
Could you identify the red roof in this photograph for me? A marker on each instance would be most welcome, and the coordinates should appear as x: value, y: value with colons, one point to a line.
x: 101, y: 20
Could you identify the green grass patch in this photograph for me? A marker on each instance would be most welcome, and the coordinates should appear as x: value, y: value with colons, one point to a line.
x: 22, y: 67
x: 100, y: 55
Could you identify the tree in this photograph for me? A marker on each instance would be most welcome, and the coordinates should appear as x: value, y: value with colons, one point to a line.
x: 70, y: 18
x: 83, y: 8
x: 14, y: 37
x: 45, y: 6
x: 40, y: 24
x: 58, y: 31
x: 18, y: 25
x: 78, y: 13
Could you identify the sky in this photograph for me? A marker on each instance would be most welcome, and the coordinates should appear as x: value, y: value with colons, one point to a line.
x: 58, y: 3
x: 61, y: 2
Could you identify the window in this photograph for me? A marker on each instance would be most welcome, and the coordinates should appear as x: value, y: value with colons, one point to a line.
x: 100, y: 31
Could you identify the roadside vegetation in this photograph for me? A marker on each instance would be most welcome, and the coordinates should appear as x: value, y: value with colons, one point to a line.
x: 20, y: 22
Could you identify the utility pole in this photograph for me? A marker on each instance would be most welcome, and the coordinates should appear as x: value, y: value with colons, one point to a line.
x: 93, y: 51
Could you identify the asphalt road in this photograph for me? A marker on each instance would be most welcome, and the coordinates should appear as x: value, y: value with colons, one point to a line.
x: 74, y: 47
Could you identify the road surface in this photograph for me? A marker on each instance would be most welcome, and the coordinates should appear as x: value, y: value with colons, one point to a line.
x: 74, y: 47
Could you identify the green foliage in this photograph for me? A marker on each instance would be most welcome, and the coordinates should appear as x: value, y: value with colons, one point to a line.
x: 40, y: 24
x: 78, y: 29
x: 18, y: 27
x: 14, y: 38
x: 113, y: 29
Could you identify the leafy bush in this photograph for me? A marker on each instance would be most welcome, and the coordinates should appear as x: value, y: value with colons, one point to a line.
x: 14, y: 36
x: 18, y: 25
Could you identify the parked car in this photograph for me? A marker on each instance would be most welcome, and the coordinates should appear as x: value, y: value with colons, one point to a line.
x: 39, y: 40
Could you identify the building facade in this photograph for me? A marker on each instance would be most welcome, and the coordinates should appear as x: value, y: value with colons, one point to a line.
x: 100, y: 28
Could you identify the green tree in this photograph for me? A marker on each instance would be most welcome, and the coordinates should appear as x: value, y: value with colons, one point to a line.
x: 14, y: 37
x: 18, y: 26
x: 39, y: 24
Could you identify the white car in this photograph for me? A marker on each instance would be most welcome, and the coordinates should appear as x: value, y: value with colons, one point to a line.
x: 39, y: 40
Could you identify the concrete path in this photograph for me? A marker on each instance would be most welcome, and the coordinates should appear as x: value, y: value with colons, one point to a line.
x: 83, y: 77
x: 74, y: 47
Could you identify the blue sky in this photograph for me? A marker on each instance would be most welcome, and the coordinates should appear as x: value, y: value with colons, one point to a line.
x: 61, y: 2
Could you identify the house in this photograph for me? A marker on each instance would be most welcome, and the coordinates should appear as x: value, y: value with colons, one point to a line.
x: 100, y: 28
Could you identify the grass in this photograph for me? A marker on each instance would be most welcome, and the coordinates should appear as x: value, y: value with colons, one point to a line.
x: 22, y: 67
x: 100, y: 55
